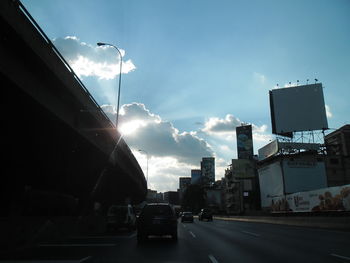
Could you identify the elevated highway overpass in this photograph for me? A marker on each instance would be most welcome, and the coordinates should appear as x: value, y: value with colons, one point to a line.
x: 60, y: 155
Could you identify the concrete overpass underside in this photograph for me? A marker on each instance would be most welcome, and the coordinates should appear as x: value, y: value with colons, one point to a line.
x: 59, y: 152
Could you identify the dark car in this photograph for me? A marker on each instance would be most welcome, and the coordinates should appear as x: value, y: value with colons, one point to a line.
x: 205, y: 214
x: 157, y: 219
x: 187, y: 217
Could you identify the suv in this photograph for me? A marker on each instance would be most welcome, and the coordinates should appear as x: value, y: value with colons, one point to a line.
x: 205, y: 214
x: 157, y: 219
x: 187, y: 216
x: 121, y: 216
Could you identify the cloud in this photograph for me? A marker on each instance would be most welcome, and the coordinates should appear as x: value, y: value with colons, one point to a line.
x: 172, y: 154
x: 88, y: 60
x: 158, y: 137
x: 328, y: 112
x: 217, y: 125
x: 163, y: 172
x: 259, y: 77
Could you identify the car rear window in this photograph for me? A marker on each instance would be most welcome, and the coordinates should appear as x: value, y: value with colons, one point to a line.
x: 157, y: 210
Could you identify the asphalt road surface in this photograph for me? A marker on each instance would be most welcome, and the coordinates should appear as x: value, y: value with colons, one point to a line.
x: 218, y: 241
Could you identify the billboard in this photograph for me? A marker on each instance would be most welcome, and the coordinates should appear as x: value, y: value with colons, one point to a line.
x: 321, y: 200
x: 243, y: 168
x: 299, y: 108
x: 303, y: 174
x: 271, y: 183
x: 268, y: 150
x: 244, y: 142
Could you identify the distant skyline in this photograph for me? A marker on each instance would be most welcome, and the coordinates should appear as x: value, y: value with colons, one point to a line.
x: 194, y: 70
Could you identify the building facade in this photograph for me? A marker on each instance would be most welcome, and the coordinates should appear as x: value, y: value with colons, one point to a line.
x: 208, y: 170
x: 196, y: 175
x: 171, y: 197
x: 184, y: 182
x: 338, y: 156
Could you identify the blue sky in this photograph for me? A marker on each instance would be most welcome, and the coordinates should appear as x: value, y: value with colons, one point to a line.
x: 192, y: 65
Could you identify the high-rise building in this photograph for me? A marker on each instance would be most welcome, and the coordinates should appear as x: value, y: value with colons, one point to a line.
x: 208, y: 170
x: 244, y: 142
x: 196, y: 176
x: 184, y: 182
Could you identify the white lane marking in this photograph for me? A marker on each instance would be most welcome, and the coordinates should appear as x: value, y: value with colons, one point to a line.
x: 132, y: 236
x: 251, y: 233
x: 339, y: 256
x: 183, y: 225
x: 192, y: 234
x: 48, y: 261
x: 84, y: 259
x: 77, y: 245
x: 213, y: 259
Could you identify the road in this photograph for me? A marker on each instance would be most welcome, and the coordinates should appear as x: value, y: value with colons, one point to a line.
x: 213, y: 242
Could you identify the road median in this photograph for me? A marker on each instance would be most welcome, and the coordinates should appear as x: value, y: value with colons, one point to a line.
x: 324, y: 222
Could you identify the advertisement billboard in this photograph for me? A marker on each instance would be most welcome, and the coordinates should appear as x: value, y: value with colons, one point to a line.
x: 271, y: 183
x: 243, y: 168
x: 304, y: 174
x: 329, y: 199
x: 299, y: 108
x: 268, y: 150
x: 244, y: 142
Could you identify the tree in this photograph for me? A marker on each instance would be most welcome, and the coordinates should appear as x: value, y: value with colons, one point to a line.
x: 193, y: 198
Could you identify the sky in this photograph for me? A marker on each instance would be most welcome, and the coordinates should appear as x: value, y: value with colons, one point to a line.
x: 193, y: 70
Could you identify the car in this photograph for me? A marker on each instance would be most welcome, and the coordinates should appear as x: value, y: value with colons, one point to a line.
x: 157, y: 219
x: 187, y: 217
x: 205, y: 213
x: 121, y: 216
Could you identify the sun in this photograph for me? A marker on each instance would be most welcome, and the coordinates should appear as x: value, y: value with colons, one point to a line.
x: 131, y: 127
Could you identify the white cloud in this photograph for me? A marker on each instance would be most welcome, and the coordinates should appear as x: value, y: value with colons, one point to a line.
x: 328, y: 112
x: 173, y: 154
x: 259, y: 77
x: 163, y: 172
x: 217, y: 125
x: 88, y: 60
x: 158, y: 137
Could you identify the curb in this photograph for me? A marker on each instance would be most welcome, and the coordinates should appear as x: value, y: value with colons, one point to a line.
x: 342, y: 223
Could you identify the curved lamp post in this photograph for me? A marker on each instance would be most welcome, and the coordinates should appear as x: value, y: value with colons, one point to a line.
x: 120, y: 77
x: 147, y: 164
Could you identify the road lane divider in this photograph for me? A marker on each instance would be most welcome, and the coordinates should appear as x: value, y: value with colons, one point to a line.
x: 341, y: 257
x: 194, y: 236
x: 77, y: 245
x: 213, y: 259
x: 251, y: 233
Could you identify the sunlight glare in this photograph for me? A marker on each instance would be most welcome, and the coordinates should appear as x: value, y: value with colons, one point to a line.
x: 131, y: 126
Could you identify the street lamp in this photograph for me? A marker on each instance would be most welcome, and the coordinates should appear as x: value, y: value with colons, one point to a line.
x: 147, y: 164
x: 120, y: 77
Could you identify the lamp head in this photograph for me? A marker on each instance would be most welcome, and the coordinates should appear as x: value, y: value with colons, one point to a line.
x: 101, y: 44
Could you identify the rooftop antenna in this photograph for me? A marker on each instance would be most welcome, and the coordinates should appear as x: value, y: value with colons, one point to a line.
x: 316, y: 81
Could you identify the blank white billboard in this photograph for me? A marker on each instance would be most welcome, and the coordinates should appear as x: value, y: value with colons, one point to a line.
x: 271, y: 183
x: 303, y: 175
x: 300, y: 108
